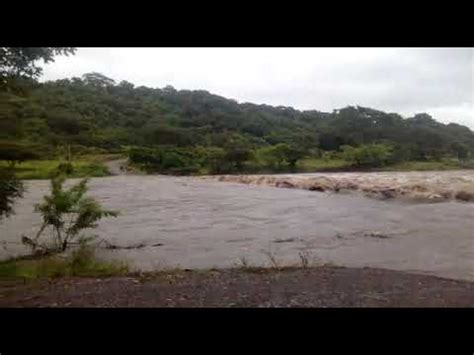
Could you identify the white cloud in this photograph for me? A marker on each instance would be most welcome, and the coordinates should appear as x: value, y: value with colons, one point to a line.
x: 434, y: 80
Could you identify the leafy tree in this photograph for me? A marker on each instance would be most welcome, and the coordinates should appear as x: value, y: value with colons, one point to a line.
x: 15, y: 153
x: 460, y: 150
x: 370, y: 155
x: 293, y: 154
x: 11, y: 188
x: 67, y: 212
x: 21, y: 62
x: 18, y: 66
x: 97, y: 80
x: 213, y: 158
x: 268, y: 157
x: 281, y: 153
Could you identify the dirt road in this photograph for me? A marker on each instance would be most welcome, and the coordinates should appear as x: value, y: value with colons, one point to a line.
x: 315, y: 287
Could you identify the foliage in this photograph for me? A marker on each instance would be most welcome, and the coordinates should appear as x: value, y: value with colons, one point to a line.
x: 278, y: 154
x: 369, y: 155
x: 184, y: 131
x: 85, y: 166
x: 10, y: 189
x: 67, y: 212
x: 21, y: 62
x: 18, y: 70
x: 15, y: 153
x: 212, y: 158
x: 460, y: 150
x: 81, y: 262
x: 65, y: 168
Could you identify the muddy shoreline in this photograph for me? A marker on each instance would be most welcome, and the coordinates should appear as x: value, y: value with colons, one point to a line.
x: 291, y: 287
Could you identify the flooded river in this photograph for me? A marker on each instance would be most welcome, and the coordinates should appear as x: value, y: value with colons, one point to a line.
x: 199, y: 223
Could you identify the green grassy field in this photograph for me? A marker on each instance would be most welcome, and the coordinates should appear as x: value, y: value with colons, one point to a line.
x: 84, y: 166
x: 314, y: 164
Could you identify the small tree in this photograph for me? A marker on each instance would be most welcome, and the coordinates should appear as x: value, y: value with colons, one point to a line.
x: 369, y: 155
x: 280, y: 153
x: 270, y: 156
x: 11, y: 188
x: 293, y: 154
x: 212, y: 157
x: 461, y: 151
x: 237, y: 155
x: 67, y: 212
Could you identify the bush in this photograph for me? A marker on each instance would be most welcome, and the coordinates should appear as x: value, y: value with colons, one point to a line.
x: 71, y: 206
x: 65, y: 168
x: 280, y: 153
x: 11, y: 188
x: 212, y: 158
x: 81, y: 262
x: 164, y: 159
x: 370, y: 155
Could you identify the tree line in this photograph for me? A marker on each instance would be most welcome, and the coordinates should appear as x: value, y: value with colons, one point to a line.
x: 167, y: 129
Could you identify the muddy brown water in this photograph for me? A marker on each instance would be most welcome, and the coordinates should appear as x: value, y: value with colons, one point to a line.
x: 203, y: 224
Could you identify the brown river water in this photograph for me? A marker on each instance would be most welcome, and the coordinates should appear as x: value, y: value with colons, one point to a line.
x: 204, y: 223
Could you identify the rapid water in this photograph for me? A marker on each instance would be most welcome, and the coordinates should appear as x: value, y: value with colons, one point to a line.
x: 203, y: 224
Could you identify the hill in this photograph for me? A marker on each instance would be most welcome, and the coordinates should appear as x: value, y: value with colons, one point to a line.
x: 169, y: 129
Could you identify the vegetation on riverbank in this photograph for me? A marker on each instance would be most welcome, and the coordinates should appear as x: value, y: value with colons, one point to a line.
x: 43, y: 169
x: 195, y: 132
x: 81, y: 262
x: 194, y: 162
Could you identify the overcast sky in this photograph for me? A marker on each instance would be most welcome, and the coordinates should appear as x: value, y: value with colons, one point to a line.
x: 438, y: 81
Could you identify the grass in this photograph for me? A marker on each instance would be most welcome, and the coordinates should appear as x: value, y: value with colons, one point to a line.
x: 81, y: 262
x: 84, y: 166
x: 315, y: 164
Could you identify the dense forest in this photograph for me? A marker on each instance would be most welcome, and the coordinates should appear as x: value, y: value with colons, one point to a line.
x: 182, y: 131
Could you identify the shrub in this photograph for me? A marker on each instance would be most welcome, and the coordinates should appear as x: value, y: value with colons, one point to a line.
x: 370, y: 155
x: 65, y: 168
x: 69, y: 205
x: 11, y: 188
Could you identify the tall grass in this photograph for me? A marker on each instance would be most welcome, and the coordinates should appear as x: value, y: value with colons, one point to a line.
x: 81, y: 262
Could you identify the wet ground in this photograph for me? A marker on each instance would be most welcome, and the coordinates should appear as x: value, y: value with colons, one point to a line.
x: 193, y: 223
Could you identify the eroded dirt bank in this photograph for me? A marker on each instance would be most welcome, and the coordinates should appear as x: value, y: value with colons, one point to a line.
x: 318, y: 287
x: 429, y: 186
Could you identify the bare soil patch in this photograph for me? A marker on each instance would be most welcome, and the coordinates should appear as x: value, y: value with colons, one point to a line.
x: 245, y: 287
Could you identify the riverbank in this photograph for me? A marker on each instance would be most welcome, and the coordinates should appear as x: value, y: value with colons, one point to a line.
x: 315, y: 165
x: 83, y: 166
x: 326, y: 286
